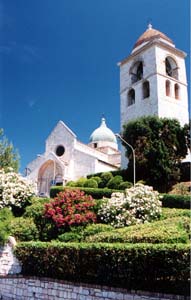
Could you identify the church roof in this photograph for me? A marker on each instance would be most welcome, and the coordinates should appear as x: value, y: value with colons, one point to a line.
x: 151, y: 34
x: 103, y: 133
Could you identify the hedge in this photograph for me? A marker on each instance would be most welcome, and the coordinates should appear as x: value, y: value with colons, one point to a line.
x: 96, y: 193
x: 158, y: 268
x: 175, y: 201
x: 169, y: 231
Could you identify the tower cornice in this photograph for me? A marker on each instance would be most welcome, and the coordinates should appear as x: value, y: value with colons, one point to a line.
x: 156, y: 42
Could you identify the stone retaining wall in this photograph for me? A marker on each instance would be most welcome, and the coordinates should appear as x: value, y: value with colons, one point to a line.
x: 31, y: 288
x: 9, y: 264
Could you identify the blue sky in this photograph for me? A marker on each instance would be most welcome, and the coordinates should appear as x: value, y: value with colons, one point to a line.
x: 58, y: 61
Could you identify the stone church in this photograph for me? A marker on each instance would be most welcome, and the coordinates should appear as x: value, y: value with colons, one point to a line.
x: 152, y: 82
x: 65, y: 158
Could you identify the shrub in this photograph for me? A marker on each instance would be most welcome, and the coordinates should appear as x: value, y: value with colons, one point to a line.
x: 70, y: 183
x: 92, y: 183
x: 115, y: 182
x: 174, y: 212
x: 181, y: 188
x: 174, y: 230
x: 96, y: 193
x: 70, y: 237
x: 15, y: 190
x: 35, y: 211
x: 70, y: 208
x: 105, y: 177
x: 96, y: 228
x: 80, y: 182
x: 24, y: 229
x: 153, y: 267
x: 97, y: 179
x: 125, y: 185
x: 5, y: 219
x: 138, y: 204
x: 176, y: 201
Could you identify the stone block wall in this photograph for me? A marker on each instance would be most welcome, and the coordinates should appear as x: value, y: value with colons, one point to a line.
x: 9, y: 264
x: 20, y: 288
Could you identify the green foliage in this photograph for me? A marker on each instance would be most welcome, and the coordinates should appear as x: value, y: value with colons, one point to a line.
x: 181, y: 188
x: 9, y: 157
x: 105, y: 177
x: 174, y: 212
x: 70, y: 183
x: 80, y: 182
x: 69, y: 237
x: 91, y: 183
x: 97, y: 179
x: 24, y: 229
x: 130, y: 266
x: 160, y: 144
x: 176, y: 201
x: 115, y: 182
x: 173, y: 230
x: 96, y: 193
x: 96, y: 228
x: 125, y: 185
x: 5, y: 219
x: 35, y: 211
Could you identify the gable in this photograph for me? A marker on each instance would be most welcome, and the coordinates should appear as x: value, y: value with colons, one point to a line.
x: 60, y: 135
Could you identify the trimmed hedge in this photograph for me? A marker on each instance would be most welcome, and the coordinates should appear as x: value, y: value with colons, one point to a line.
x: 169, y: 231
x: 159, y: 268
x: 176, y: 201
x: 96, y: 193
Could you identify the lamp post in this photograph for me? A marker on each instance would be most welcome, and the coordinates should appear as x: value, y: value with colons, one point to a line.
x: 133, y: 151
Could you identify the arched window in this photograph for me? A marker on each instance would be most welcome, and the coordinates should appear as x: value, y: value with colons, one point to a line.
x: 131, y: 97
x: 171, y: 67
x: 146, y: 89
x: 136, y: 71
x: 168, y: 88
x: 176, y: 91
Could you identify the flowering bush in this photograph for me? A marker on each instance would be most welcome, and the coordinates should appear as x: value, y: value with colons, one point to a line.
x: 138, y: 204
x: 14, y: 189
x: 70, y: 208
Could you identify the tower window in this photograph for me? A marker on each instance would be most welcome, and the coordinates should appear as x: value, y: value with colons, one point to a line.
x: 176, y: 91
x: 171, y: 67
x: 146, y: 89
x: 168, y: 88
x: 136, y: 72
x: 131, y: 97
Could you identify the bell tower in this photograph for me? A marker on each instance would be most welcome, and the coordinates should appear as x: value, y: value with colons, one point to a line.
x: 153, y: 80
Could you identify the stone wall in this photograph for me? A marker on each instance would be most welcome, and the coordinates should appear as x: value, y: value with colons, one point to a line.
x: 20, y: 288
x: 8, y: 262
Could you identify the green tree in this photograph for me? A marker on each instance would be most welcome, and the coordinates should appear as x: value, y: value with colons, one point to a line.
x: 9, y: 157
x: 160, y: 144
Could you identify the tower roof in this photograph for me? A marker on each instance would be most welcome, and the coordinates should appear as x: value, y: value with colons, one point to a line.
x: 151, y: 34
x: 103, y: 133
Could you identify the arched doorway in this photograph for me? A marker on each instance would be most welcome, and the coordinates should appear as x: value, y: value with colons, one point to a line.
x: 50, y: 173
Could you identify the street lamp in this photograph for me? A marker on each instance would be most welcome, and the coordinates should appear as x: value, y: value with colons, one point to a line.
x: 133, y: 151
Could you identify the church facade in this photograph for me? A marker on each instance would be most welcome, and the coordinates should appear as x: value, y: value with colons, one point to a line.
x: 65, y: 158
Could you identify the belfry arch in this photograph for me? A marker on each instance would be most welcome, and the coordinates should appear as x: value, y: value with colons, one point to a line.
x: 49, y: 173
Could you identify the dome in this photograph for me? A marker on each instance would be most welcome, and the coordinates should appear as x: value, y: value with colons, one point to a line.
x: 103, y: 133
x: 151, y: 34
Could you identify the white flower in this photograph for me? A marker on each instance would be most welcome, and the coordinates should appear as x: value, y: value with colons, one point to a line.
x: 14, y: 189
x: 138, y: 204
